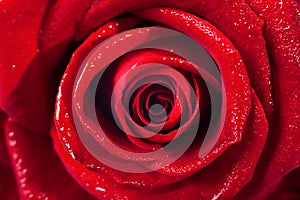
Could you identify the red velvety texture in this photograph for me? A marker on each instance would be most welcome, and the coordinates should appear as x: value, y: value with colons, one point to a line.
x: 190, y: 162
x: 289, y: 187
x: 8, y: 187
x: 38, y: 171
x: 20, y: 65
x: 282, y: 152
x: 235, y: 172
x: 275, y: 25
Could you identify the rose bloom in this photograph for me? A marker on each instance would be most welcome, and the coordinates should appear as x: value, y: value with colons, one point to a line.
x: 95, y: 104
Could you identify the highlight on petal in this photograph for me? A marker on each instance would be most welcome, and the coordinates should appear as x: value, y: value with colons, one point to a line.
x: 32, y: 154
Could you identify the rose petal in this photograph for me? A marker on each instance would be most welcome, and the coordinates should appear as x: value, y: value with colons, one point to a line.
x: 236, y: 92
x: 247, y: 35
x: 37, y: 167
x: 289, y: 187
x: 18, y: 63
x: 282, y: 152
x: 224, y: 177
x: 8, y: 186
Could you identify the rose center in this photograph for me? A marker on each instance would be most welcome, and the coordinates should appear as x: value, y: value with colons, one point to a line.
x: 153, y: 104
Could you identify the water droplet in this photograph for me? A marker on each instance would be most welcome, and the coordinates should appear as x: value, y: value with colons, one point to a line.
x: 100, y: 189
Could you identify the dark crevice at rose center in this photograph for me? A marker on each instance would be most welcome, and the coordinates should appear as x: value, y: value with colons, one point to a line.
x: 151, y: 103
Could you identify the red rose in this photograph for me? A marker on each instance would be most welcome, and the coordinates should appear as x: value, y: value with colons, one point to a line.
x: 135, y: 116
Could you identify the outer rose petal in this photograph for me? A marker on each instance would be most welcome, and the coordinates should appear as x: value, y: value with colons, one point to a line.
x: 37, y: 169
x: 289, y: 187
x: 60, y: 23
x: 4, y: 158
x: 8, y: 186
x: 282, y: 151
x: 20, y: 26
